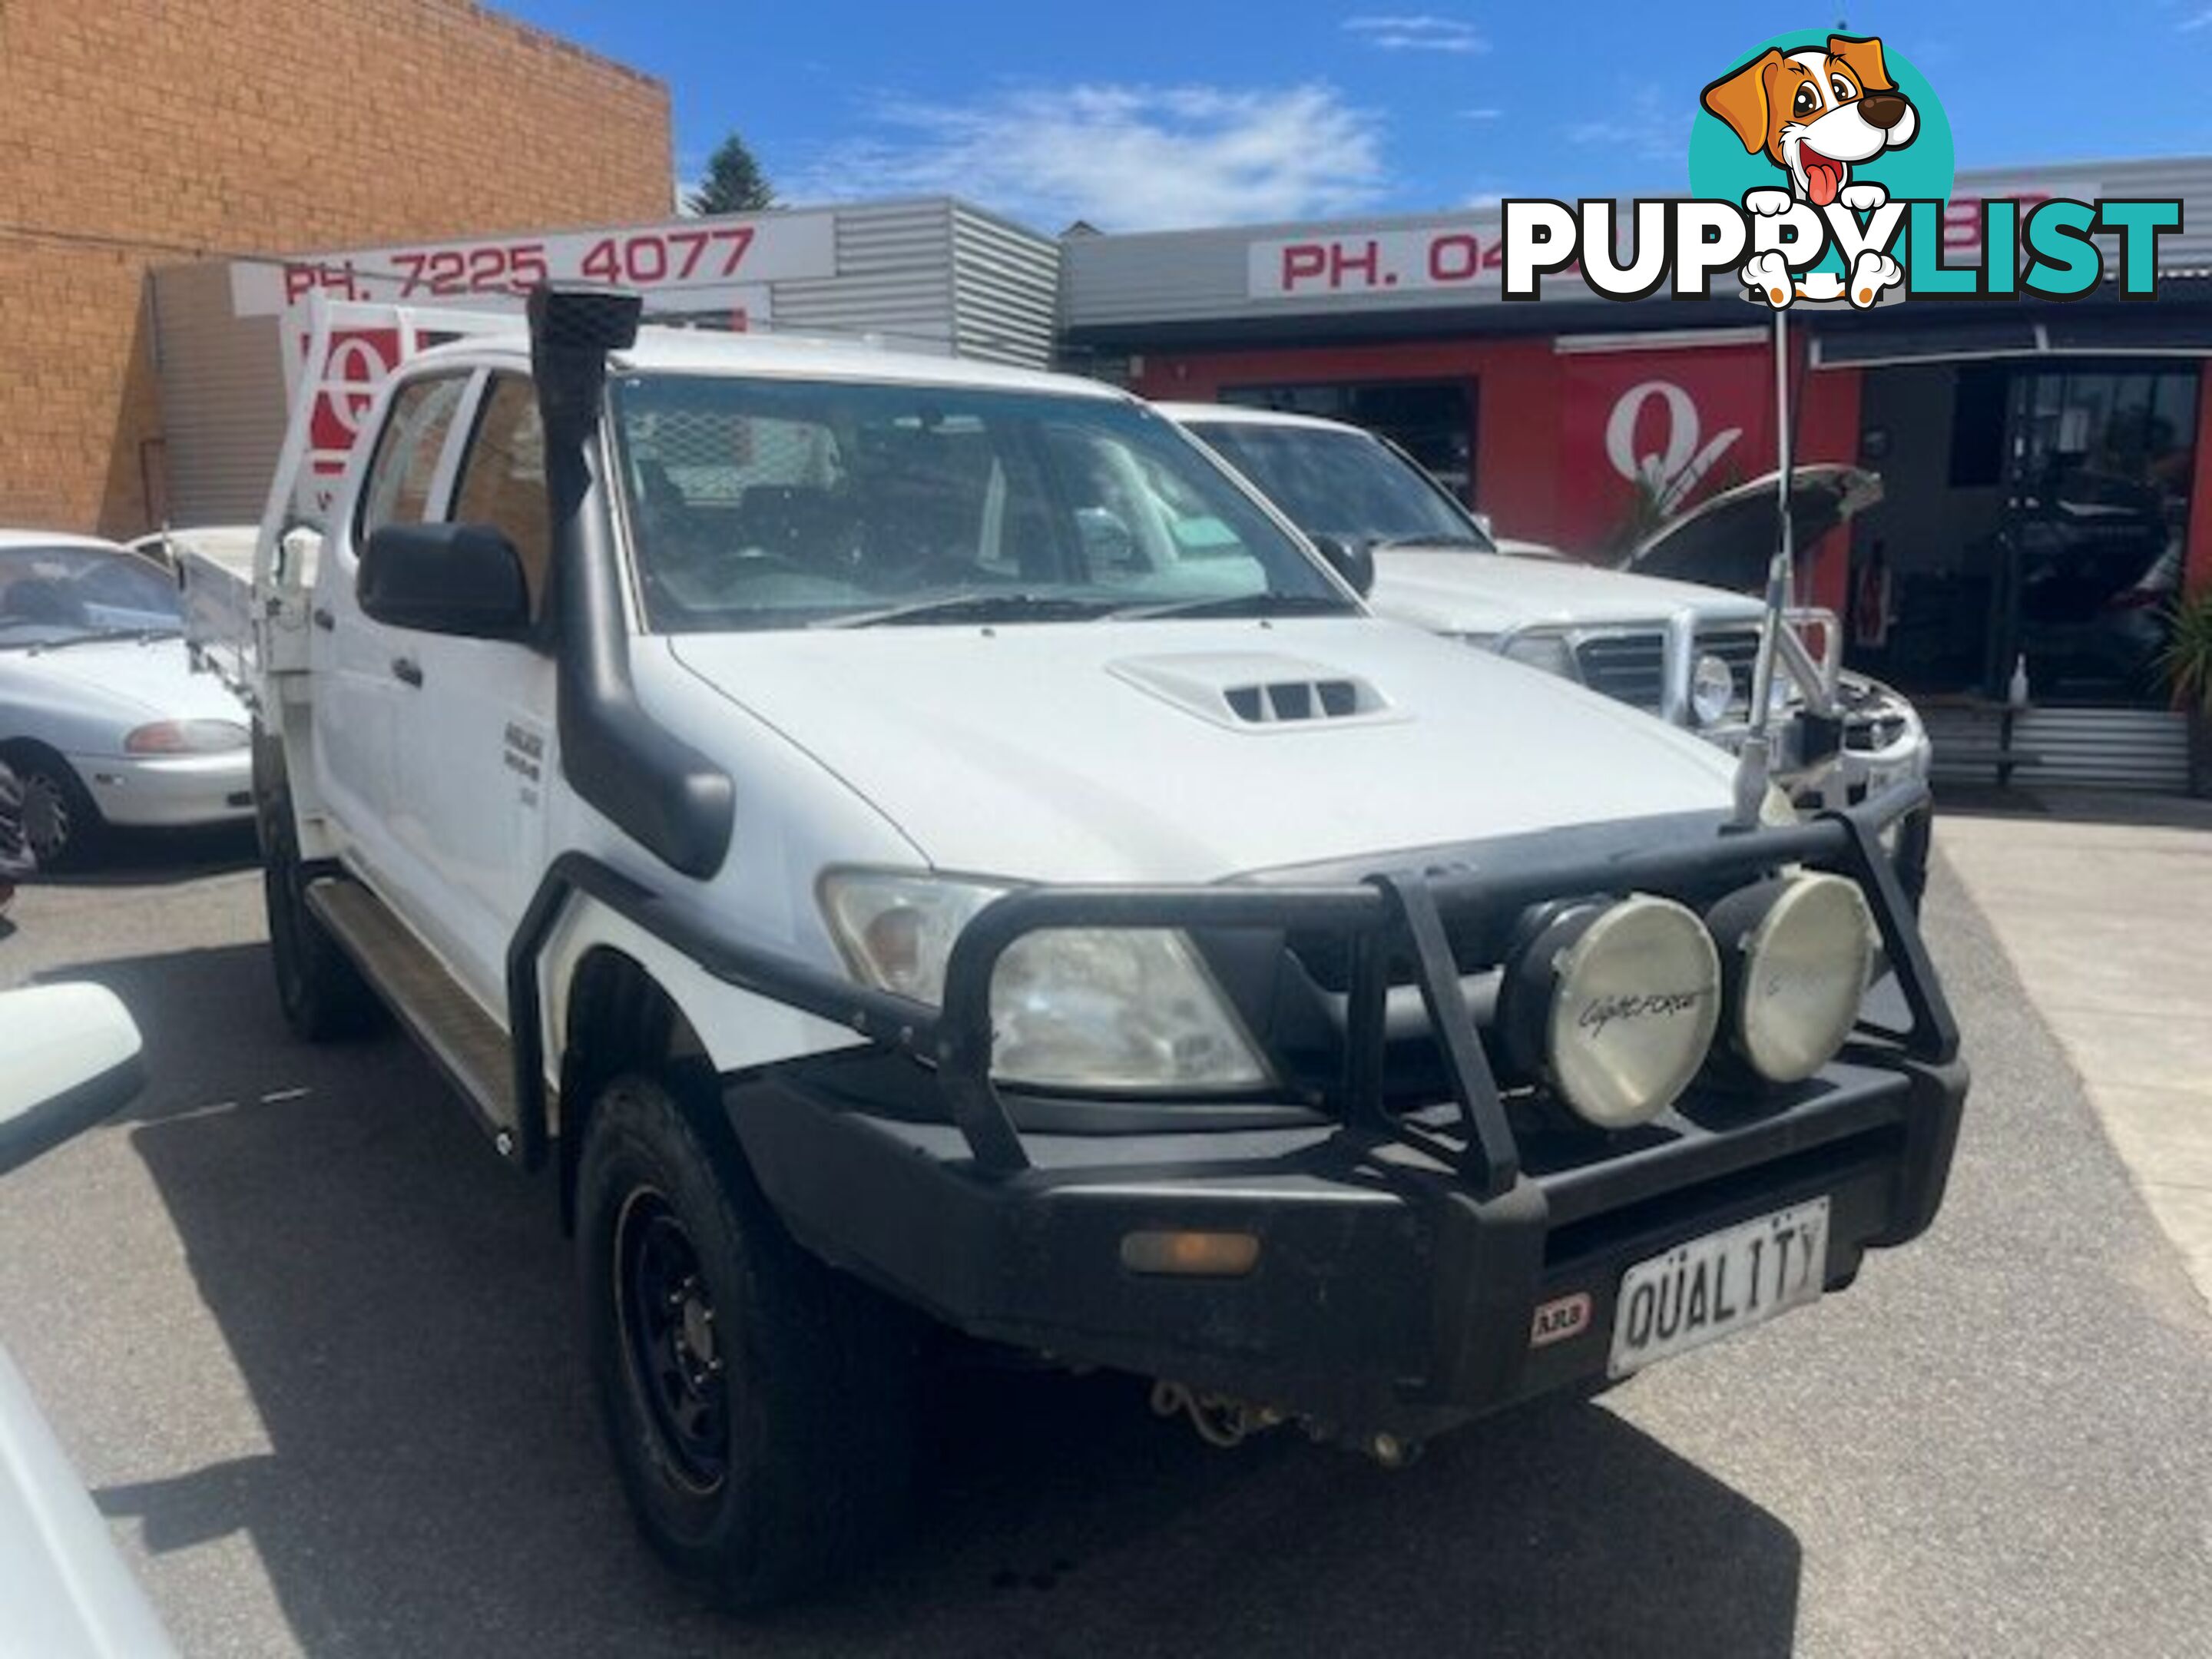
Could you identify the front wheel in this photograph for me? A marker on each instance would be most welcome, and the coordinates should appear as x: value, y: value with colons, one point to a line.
x: 758, y: 1403
x: 61, y: 825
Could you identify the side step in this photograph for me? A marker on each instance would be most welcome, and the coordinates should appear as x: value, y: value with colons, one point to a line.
x: 448, y: 1023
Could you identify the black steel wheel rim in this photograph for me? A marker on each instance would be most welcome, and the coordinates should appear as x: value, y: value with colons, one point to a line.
x: 670, y: 1342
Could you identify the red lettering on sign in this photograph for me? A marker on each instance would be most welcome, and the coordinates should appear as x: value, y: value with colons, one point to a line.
x: 1454, y: 258
x: 1301, y: 261
x: 336, y: 280
x: 1368, y: 263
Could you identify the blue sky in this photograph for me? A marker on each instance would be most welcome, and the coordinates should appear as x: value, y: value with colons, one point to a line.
x: 1149, y: 112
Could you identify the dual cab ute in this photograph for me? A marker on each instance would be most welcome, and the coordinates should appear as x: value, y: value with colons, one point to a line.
x: 921, y: 852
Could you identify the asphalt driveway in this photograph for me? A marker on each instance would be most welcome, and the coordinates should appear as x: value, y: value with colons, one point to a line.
x: 309, y: 1343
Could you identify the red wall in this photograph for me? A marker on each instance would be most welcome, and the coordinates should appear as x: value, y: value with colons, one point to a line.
x: 1545, y: 470
x: 2197, y: 577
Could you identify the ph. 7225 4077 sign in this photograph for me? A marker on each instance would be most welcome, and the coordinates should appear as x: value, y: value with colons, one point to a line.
x: 647, y: 259
x: 684, y: 253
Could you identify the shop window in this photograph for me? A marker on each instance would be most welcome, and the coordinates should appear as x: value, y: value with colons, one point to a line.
x: 1978, y: 426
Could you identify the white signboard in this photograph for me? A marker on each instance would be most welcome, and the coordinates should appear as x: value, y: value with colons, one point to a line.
x: 1344, y: 263
x: 688, y: 266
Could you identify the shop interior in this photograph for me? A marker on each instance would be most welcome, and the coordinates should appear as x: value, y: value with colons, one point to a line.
x: 2034, y: 513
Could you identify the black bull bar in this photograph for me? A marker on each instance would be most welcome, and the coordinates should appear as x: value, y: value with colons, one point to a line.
x: 1391, y: 918
x: 1399, y: 917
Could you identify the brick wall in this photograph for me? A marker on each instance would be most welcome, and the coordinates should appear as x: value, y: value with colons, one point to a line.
x: 139, y: 132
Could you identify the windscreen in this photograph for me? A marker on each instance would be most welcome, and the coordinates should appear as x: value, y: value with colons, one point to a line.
x: 765, y: 502
x: 51, y: 596
x: 1343, y: 484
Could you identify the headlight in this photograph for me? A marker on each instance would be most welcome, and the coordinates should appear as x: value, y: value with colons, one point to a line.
x: 186, y: 738
x: 1712, y: 691
x: 1545, y: 651
x: 1798, y: 950
x: 1618, y: 1004
x: 1095, y: 1009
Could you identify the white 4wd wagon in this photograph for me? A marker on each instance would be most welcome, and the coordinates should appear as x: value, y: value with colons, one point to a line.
x: 1677, y: 649
x: 919, y: 850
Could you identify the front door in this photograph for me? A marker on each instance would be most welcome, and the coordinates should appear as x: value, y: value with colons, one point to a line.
x: 475, y: 771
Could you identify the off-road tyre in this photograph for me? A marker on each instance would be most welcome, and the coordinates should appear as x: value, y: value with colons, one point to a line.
x: 779, y: 1452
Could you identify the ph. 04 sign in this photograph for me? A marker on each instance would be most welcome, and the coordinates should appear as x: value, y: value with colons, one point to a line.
x: 1413, y: 258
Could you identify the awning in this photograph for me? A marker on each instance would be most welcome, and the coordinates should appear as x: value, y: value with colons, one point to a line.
x: 2177, y: 324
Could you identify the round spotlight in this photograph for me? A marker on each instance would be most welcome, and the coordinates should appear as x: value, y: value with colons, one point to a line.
x: 1617, y: 1005
x: 1798, y: 950
x: 1712, y: 691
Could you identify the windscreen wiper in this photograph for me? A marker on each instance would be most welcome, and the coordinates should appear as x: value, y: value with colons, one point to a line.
x: 1242, y: 605
x: 1384, y: 543
x: 108, y: 636
x: 974, y: 607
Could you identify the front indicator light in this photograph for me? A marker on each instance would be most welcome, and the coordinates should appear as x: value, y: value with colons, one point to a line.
x: 1190, y: 1255
x: 1797, y: 952
x: 186, y: 738
x: 1618, y: 1005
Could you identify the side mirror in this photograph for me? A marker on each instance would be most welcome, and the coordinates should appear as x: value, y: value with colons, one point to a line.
x: 463, y: 578
x: 1354, y: 562
x: 71, y: 1058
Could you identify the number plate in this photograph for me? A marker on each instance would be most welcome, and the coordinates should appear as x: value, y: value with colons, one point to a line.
x: 1716, y: 1286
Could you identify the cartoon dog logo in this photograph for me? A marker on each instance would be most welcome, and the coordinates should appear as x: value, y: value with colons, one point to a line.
x: 1814, y: 113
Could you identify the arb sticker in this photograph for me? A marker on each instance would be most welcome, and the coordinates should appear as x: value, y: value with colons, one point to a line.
x: 1559, y: 1319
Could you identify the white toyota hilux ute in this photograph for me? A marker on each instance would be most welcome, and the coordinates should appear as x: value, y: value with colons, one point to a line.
x: 1681, y: 650
x: 925, y: 857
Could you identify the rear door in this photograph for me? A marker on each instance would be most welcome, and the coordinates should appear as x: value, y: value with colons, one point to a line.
x: 362, y: 704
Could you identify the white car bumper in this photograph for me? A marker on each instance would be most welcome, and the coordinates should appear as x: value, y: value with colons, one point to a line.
x: 168, y: 791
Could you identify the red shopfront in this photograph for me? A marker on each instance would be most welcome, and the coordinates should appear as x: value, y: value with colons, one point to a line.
x: 2046, y: 469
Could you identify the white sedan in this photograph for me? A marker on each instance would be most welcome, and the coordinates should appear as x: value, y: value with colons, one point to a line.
x: 101, y: 718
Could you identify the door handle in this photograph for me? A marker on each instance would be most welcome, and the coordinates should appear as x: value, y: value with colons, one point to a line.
x: 403, y: 670
x: 323, y: 619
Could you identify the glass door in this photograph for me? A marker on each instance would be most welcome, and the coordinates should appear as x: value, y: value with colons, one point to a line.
x: 2096, y: 508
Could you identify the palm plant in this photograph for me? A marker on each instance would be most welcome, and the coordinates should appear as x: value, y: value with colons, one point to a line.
x: 2186, y: 667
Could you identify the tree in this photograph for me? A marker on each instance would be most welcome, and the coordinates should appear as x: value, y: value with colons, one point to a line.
x: 733, y: 183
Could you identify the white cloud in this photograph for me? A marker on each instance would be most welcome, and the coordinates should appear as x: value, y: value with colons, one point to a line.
x: 1124, y: 157
x: 2194, y: 21
x: 1480, y: 114
x: 1416, y: 32
x: 1646, y: 125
